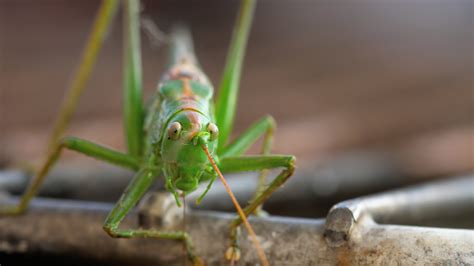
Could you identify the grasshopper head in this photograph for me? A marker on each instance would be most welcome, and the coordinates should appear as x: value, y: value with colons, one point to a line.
x: 185, y: 163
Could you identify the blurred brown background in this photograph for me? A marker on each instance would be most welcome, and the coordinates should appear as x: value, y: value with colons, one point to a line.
x: 393, y: 77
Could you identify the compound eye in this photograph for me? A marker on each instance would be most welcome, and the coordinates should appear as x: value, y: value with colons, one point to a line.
x: 213, y: 130
x: 174, y: 130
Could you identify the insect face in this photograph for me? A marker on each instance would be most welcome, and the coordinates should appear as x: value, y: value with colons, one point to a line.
x: 185, y: 162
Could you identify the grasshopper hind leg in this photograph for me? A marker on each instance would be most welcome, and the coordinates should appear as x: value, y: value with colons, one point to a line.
x: 133, y: 193
x: 75, y: 144
x: 96, y: 38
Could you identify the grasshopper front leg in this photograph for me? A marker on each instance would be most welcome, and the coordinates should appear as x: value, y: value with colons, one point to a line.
x: 264, y: 127
x: 255, y: 163
x: 133, y: 193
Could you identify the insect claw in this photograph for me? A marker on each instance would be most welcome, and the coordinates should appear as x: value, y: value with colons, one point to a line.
x: 170, y: 188
x: 197, y: 261
x: 10, y: 210
x: 176, y: 197
x: 232, y: 253
x: 198, y: 201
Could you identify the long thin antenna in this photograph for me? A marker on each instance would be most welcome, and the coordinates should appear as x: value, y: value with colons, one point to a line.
x: 261, y: 254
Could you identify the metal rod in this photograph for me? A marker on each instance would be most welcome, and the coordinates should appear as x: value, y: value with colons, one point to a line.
x: 447, y: 198
x: 73, y: 227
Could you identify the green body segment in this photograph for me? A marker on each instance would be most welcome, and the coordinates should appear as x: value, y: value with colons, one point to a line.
x: 184, y: 96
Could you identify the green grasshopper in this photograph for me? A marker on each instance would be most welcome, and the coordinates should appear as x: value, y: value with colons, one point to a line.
x: 177, y: 135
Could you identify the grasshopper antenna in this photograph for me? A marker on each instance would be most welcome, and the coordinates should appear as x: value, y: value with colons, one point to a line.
x: 156, y: 36
x: 261, y: 254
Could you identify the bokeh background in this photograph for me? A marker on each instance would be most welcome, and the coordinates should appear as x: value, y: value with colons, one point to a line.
x: 342, y: 78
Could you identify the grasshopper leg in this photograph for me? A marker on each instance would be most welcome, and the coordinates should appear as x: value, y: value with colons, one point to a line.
x: 82, y: 146
x: 94, y: 43
x: 95, y: 40
x: 255, y: 163
x: 133, y: 193
x: 228, y: 90
x: 132, y: 79
x: 266, y: 127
